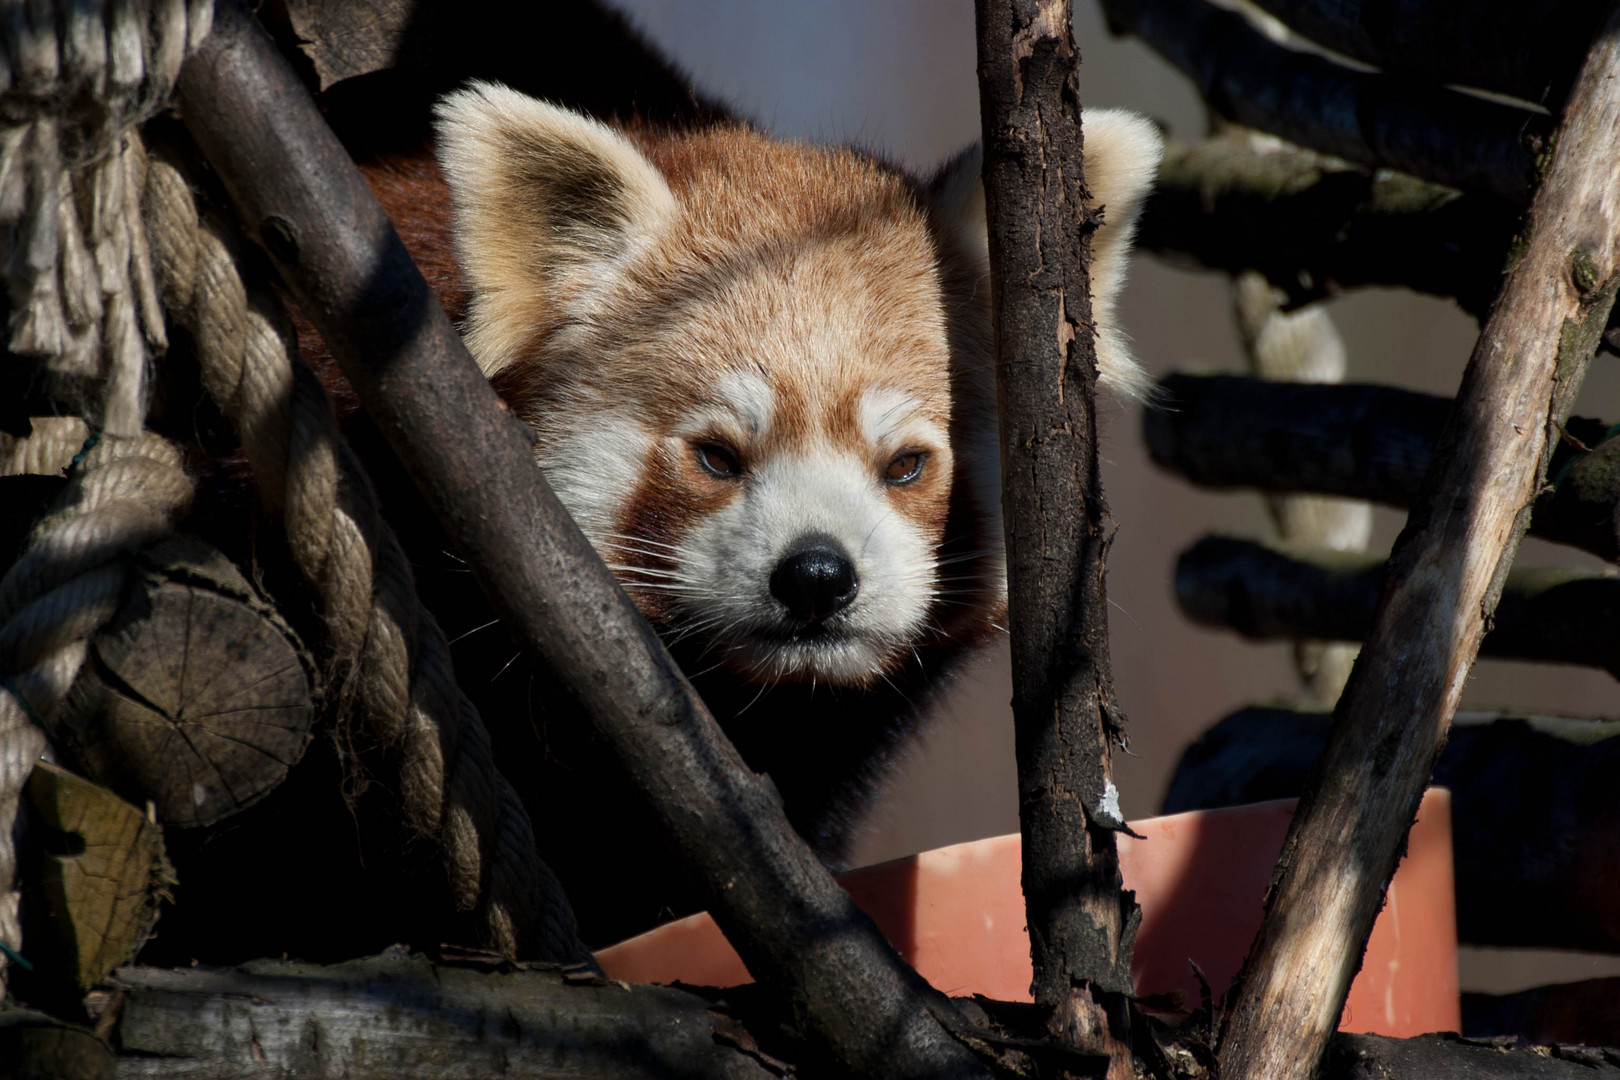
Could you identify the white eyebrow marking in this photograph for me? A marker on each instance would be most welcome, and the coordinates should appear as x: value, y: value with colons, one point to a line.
x: 741, y: 397
x: 889, y: 415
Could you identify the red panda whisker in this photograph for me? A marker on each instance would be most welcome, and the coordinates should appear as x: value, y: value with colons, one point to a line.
x: 469, y: 633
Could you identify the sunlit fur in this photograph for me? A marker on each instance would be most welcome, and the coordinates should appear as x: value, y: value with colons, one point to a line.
x: 638, y: 295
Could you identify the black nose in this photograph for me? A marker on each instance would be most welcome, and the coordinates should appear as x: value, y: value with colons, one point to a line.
x: 815, y: 579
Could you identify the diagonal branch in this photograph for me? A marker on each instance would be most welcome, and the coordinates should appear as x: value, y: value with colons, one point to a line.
x: 1081, y: 925
x: 1442, y: 583
x: 302, y: 198
x: 1383, y: 122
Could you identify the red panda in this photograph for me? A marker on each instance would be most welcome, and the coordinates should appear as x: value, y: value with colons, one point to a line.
x: 759, y: 375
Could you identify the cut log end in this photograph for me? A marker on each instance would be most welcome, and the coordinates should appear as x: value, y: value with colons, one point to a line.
x: 197, y: 696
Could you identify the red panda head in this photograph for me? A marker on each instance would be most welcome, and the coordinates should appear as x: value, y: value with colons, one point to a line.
x: 758, y: 372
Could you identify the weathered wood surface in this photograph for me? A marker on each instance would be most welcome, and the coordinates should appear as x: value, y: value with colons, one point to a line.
x: 1081, y: 922
x: 1316, y: 225
x: 1267, y: 592
x: 399, y: 1017
x: 855, y: 1001
x: 197, y: 697
x: 1364, y: 442
x: 93, y: 872
x: 1444, y: 578
x: 1438, y: 134
x: 1535, y: 814
x: 1445, y: 1057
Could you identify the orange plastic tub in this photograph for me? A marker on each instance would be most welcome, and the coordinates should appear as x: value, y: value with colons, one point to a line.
x: 957, y: 914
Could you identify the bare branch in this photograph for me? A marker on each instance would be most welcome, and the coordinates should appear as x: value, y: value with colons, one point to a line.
x: 1315, y: 225
x: 1364, y: 442
x: 1081, y: 924
x: 1546, y: 613
x: 1441, y: 135
x: 300, y: 196
x: 1530, y: 51
x: 1444, y: 577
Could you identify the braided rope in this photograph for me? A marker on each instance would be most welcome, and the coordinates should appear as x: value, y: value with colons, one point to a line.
x: 391, y: 657
x: 73, y: 78
x: 125, y: 493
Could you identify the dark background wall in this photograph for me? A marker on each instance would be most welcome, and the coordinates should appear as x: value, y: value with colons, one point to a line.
x: 898, y: 76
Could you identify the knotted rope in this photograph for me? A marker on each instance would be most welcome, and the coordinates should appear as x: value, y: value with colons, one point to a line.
x: 390, y: 656
x: 124, y: 494
x: 74, y: 77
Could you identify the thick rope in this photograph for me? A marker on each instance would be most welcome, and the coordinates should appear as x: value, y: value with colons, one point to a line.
x: 74, y: 77
x: 82, y: 304
x: 124, y: 494
x: 391, y: 657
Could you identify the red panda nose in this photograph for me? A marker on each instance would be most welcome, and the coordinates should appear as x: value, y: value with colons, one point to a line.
x: 815, y: 580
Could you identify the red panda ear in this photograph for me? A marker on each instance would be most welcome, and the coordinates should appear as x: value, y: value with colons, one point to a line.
x: 545, y: 200
x: 1122, y: 156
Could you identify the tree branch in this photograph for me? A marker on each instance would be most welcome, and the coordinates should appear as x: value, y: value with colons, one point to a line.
x: 1382, y: 122
x: 1533, y: 812
x: 1081, y: 924
x: 1530, y: 51
x: 1363, y: 442
x: 1315, y: 225
x: 1444, y: 577
x: 1545, y: 613
x: 304, y: 201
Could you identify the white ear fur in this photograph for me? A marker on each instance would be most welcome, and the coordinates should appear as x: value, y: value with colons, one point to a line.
x: 1121, y: 158
x: 547, y: 202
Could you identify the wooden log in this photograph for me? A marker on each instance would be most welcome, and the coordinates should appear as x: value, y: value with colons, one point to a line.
x: 1082, y: 924
x: 404, y: 1017
x: 1441, y: 135
x: 197, y: 696
x: 399, y: 1016
x: 1535, y: 814
x: 1547, y: 613
x: 1364, y: 442
x: 1584, y: 1013
x: 851, y: 996
x: 1447, y: 1057
x: 93, y: 872
x: 1316, y: 225
x: 1529, y: 51
x: 1445, y: 575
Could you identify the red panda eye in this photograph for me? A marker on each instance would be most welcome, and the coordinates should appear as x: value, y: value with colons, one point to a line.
x: 904, y: 467
x: 718, y: 461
